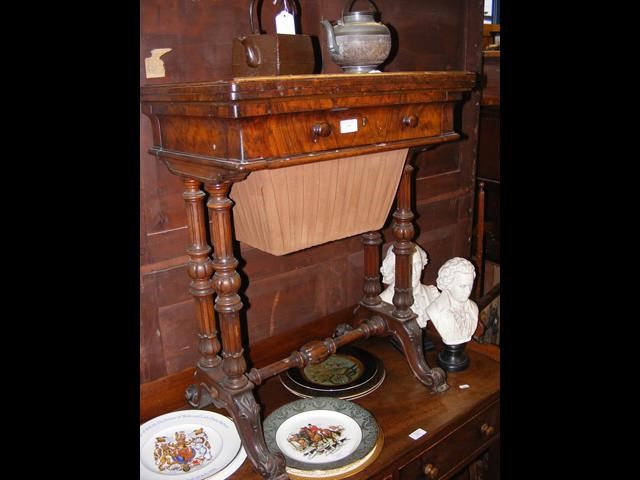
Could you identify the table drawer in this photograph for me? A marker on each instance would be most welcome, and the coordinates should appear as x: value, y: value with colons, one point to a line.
x: 284, y: 135
x: 455, y: 449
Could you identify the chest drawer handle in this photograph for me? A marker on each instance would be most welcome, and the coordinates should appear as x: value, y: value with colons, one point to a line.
x: 322, y: 129
x: 409, y: 121
x: 487, y: 430
x: 431, y: 471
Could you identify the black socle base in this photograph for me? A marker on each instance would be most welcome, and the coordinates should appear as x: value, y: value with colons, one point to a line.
x: 452, y: 358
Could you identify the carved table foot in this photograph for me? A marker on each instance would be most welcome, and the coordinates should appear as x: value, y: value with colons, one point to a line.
x: 409, y: 334
x: 246, y: 415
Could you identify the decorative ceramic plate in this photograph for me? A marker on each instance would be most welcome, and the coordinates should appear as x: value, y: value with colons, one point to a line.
x: 187, y: 445
x: 340, y: 472
x: 320, y: 433
x: 355, y: 395
x: 350, y: 373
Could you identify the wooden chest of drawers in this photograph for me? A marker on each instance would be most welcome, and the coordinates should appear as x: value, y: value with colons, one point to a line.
x: 458, y: 448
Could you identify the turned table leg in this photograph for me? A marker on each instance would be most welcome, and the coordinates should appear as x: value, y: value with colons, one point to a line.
x: 200, y: 270
x: 234, y: 390
x: 403, y: 232
x: 402, y: 321
x: 372, y: 287
x: 226, y: 282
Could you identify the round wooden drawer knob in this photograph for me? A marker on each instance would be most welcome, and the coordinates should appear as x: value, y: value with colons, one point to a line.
x: 409, y: 121
x: 322, y: 129
x: 431, y: 471
x: 487, y: 430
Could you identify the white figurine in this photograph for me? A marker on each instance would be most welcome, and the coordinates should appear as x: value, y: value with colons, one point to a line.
x: 452, y: 313
x: 423, y: 295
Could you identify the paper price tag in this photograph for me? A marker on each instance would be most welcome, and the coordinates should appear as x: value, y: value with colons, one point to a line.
x: 285, y: 23
x: 349, y: 126
x: 416, y: 434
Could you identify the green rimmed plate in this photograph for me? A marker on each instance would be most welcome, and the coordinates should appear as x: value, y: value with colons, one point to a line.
x: 321, y: 433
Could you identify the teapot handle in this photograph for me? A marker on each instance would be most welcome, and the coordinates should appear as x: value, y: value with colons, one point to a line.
x: 349, y: 4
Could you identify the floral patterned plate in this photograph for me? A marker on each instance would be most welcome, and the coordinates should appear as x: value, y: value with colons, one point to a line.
x: 187, y: 445
x: 321, y: 433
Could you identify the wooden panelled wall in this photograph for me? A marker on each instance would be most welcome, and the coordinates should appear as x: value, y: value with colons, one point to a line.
x: 292, y: 290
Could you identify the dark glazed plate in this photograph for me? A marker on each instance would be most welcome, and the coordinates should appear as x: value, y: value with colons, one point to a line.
x: 350, y: 373
x: 321, y: 433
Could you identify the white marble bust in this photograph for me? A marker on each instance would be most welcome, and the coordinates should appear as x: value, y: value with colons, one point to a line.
x: 452, y: 313
x: 422, y: 294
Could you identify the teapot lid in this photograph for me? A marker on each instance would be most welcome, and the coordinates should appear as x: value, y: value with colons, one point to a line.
x: 359, y: 16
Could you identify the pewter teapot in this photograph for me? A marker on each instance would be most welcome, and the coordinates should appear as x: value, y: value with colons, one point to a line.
x: 357, y: 42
